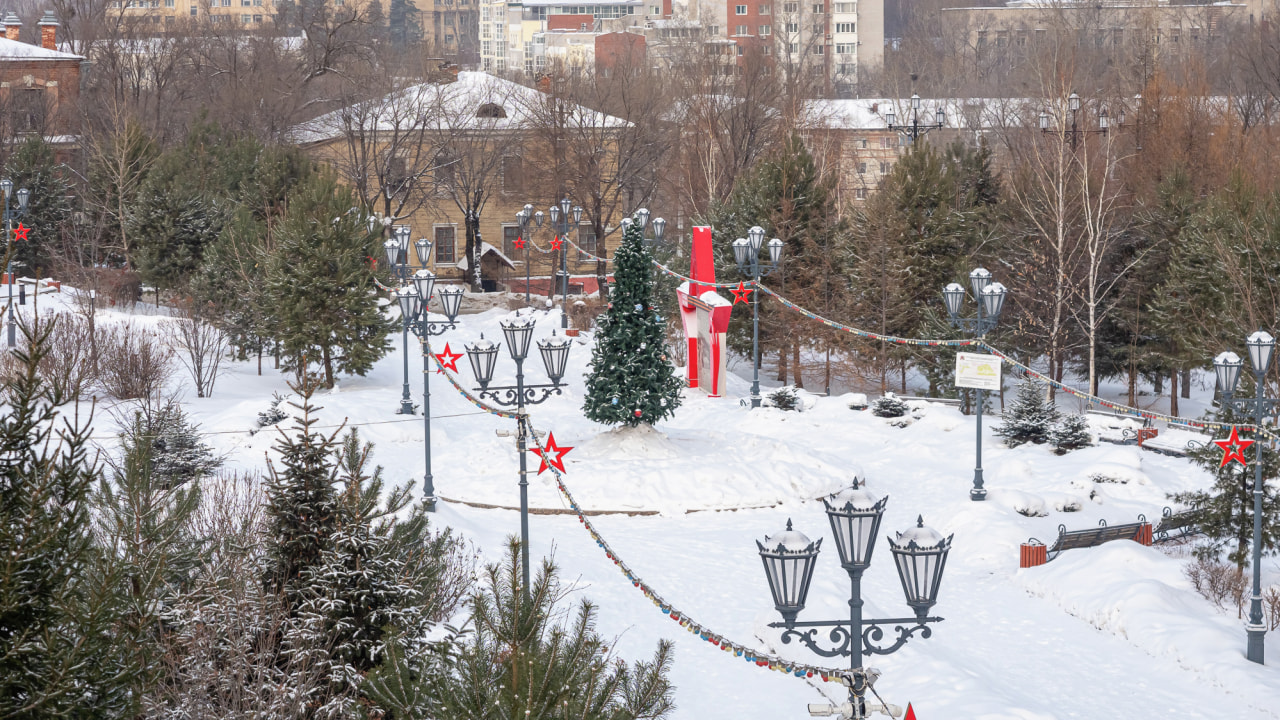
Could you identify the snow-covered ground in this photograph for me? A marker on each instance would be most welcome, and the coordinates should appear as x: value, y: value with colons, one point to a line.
x: 1109, y: 632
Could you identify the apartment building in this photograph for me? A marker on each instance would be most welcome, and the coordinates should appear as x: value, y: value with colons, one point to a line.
x: 513, y: 34
x: 162, y: 14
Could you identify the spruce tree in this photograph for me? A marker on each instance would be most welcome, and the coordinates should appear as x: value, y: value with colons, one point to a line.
x: 1030, y: 417
x: 1070, y: 433
x: 321, y: 286
x: 1224, y: 512
x: 33, y: 166
x: 59, y: 655
x: 631, y: 380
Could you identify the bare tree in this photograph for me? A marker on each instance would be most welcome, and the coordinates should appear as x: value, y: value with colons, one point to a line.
x: 200, y: 346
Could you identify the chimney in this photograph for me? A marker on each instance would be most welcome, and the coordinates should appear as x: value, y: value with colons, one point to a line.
x: 11, y: 26
x: 49, y: 31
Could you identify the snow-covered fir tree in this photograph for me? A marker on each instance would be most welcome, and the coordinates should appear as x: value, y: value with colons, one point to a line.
x: 1030, y: 417
x: 1070, y: 433
x: 889, y: 406
x: 631, y: 381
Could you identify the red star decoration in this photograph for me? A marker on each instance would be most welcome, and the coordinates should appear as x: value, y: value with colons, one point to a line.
x: 556, y: 462
x: 519, y: 243
x: 742, y: 293
x: 555, y: 243
x: 20, y: 232
x: 1233, y: 447
x: 447, y: 359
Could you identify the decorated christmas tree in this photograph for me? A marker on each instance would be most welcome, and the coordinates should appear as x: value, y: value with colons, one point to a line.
x: 631, y: 380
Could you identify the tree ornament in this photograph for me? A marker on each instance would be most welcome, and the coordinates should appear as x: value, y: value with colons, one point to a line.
x: 1233, y: 448
x: 637, y: 413
x: 556, y: 462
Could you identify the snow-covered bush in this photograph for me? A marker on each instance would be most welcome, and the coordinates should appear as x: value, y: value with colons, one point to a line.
x: 1030, y: 416
x: 858, y: 401
x: 273, y: 414
x: 889, y: 406
x: 785, y: 398
x: 1070, y: 433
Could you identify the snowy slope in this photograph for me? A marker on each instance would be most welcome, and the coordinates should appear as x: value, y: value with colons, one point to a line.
x: 1110, y: 632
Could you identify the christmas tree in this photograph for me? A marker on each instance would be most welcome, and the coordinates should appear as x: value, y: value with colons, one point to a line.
x: 1030, y: 417
x: 1072, y: 433
x: 631, y: 381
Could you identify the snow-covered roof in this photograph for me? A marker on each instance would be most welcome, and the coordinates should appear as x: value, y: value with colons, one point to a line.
x: 485, y: 249
x: 15, y: 50
x: 476, y: 101
x: 959, y: 113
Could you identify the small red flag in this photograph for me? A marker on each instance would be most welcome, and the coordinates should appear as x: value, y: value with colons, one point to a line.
x: 911, y: 714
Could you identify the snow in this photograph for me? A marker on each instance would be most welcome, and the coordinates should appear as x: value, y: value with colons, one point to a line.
x: 15, y: 50
x: 1109, y: 632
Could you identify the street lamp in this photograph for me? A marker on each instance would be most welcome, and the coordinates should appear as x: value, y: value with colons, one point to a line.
x: 483, y: 356
x: 919, y: 553
x: 24, y: 196
x: 1227, y: 366
x: 989, y: 297
x: 560, y: 215
x: 915, y: 129
x: 524, y: 216
x: 415, y: 300
x: 397, y: 250
x: 1074, y: 134
x: 746, y: 252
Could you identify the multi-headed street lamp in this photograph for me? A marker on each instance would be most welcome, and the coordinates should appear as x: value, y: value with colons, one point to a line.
x: 1074, y: 133
x: 989, y: 297
x: 24, y: 196
x: 789, y: 558
x: 483, y: 356
x: 1227, y: 365
x: 915, y: 129
x: 524, y: 216
x: 414, y: 301
x: 397, y: 250
x: 560, y: 215
x: 746, y: 252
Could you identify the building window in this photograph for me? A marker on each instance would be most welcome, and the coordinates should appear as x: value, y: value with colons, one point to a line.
x: 1002, y: 38
x: 740, y: 51
x: 741, y: 30
x: 740, y: 10
x: 168, y: 19
x: 818, y: 50
x: 246, y: 19
x: 509, y: 235
x: 862, y: 168
x: 886, y: 142
x: 512, y: 174
x: 790, y: 7
x: 885, y: 167
x: 28, y: 110
x: 764, y: 30
x: 193, y: 11
x: 860, y: 193
x: 655, y: 10
x: 845, y: 7
x: 586, y: 242
x: 846, y: 27
x: 763, y: 9
x: 446, y: 237
x: 257, y: 19
x: 844, y: 48
x: 168, y: 3
x: 819, y: 8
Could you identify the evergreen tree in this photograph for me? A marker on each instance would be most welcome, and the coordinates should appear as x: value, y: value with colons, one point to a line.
x: 404, y: 22
x: 1030, y: 417
x: 1224, y: 512
x: 1070, y: 433
x: 321, y: 286
x: 172, y: 228
x: 174, y: 449
x: 59, y: 655
x: 631, y: 380
x: 889, y: 406
x: 521, y: 665
x: 34, y: 167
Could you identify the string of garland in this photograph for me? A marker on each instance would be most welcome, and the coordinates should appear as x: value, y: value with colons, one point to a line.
x: 758, y: 658
x: 978, y: 343
x: 426, y: 348
x: 660, y: 267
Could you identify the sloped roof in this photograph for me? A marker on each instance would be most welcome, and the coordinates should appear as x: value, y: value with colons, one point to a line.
x: 486, y: 249
x: 15, y: 50
x: 960, y: 113
x: 450, y: 107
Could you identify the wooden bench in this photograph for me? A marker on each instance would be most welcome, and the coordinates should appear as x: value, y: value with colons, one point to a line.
x: 1035, y: 552
x: 1177, y: 525
x: 1115, y: 431
x: 953, y: 402
x: 1176, y: 442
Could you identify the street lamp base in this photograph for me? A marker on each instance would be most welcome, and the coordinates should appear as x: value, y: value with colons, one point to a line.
x: 1256, y: 635
x: 429, y: 503
x: 977, y: 494
x: 406, y: 408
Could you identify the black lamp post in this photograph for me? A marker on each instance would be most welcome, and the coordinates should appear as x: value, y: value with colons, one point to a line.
x: 1227, y: 366
x: 1074, y: 133
x: 746, y: 252
x: 415, y: 300
x: 989, y: 297
x: 24, y: 196
x: 920, y: 554
x: 524, y: 216
x: 397, y: 250
x: 560, y: 215
x: 916, y: 129
x: 483, y: 356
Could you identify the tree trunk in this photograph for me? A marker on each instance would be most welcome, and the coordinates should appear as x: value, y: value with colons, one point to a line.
x: 1186, y: 384
x: 602, y: 273
x: 1158, y: 383
x: 328, y: 368
x: 782, y: 364
x: 1173, y: 393
x: 795, y: 356
x: 904, y: 376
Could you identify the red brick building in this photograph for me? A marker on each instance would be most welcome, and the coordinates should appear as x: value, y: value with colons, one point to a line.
x: 39, y: 87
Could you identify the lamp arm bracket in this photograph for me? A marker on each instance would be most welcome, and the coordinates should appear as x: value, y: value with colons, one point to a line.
x: 841, y: 635
x: 509, y: 396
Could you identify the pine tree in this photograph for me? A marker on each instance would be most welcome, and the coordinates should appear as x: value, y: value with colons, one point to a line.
x: 172, y: 228
x: 1030, y: 417
x: 1224, y: 512
x: 175, y: 451
x: 321, y: 285
x: 58, y: 606
x: 522, y: 665
x: 1070, y: 433
x: 33, y: 166
x: 631, y: 380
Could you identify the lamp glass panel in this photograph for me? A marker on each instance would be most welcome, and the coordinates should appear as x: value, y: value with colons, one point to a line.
x: 978, y: 280
x: 953, y: 296
x: 423, y: 248
x: 425, y: 282
x: 659, y: 229
x: 392, y: 248
x: 1261, y: 348
x: 450, y: 301
x: 756, y: 237
x: 642, y: 217
x: 519, y: 333
x: 1227, y: 367
x: 775, y: 250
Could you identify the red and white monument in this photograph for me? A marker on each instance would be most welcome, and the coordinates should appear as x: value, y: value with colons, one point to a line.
x: 705, y: 314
